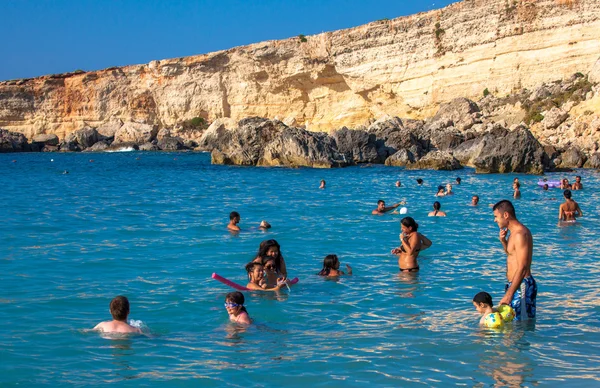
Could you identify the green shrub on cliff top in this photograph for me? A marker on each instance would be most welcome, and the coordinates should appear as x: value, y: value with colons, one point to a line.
x: 302, y: 38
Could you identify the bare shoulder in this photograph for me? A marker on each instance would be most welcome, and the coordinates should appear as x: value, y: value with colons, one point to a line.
x: 100, y: 327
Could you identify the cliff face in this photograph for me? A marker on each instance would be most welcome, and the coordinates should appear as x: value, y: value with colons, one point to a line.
x: 402, y: 67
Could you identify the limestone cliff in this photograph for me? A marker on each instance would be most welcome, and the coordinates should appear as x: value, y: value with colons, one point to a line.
x: 402, y: 67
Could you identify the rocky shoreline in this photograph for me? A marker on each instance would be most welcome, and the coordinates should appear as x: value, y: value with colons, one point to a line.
x: 556, y: 126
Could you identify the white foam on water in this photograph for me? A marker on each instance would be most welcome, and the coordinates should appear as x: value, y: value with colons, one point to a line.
x: 124, y: 149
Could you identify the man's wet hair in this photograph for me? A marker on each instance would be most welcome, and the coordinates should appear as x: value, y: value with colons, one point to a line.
x: 233, y: 215
x: 420, y: 181
x: 380, y: 201
x: 483, y: 297
x: 119, y: 308
x: 505, y: 206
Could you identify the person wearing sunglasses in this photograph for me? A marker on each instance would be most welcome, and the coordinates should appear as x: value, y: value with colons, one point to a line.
x: 256, y: 278
x: 234, y: 303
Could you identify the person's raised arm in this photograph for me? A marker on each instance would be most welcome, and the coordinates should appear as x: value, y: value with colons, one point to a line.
x: 349, y: 269
x: 521, y: 253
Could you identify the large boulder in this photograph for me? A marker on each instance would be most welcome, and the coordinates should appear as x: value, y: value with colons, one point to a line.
x: 170, y: 143
x: 296, y: 147
x: 109, y: 128
x: 460, y: 113
x: 501, y: 150
x: 243, y: 145
x: 136, y: 133
x: 401, y: 158
x: 572, y: 158
x: 99, y: 146
x: 436, y: 160
x: 217, y: 130
x: 393, y: 134
x: 593, y: 161
x: 44, y: 139
x: 149, y: 147
x: 358, y: 146
x: 13, y: 142
x: 554, y: 117
x: 85, y: 137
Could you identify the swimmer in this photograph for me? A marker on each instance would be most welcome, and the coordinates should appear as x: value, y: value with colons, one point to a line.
x: 272, y: 248
x: 519, y: 255
x: 564, y: 184
x: 577, y: 185
x: 331, y: 267
x: 436, y: 210
x: 458, y: 180
x: 483, y: 304
x: 398, y: 184
x: 234, y: 219
x: 420, y: 181
x: 234, y: 303
x: 475, y: 200
x: 517, y: 188
x: 569, y: 210
x: 322, y: 184
x: 256, y: 278
x: 449, y: 189
x: 381, y: 209
x: 65, y: 172
x: 441, y: 192
x: 264, y: 225
x: 412, y: 243
x: 119, y: 309
x: 545, y: 187
x: 270, y: 268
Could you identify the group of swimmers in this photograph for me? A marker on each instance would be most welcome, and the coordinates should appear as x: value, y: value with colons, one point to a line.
x: 268, y: 271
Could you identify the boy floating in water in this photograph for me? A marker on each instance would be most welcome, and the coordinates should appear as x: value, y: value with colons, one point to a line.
x: 119, y: 309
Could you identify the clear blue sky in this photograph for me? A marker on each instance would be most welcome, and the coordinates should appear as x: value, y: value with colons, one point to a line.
x: 45, y: 37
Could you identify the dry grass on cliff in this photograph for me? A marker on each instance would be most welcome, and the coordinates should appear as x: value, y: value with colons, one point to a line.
x: 567, y: 3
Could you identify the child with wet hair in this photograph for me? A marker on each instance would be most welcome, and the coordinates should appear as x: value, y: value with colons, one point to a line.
x: 234, y: 303
x: 331, y: 267
x: 484, y: 305
x: 256, y: 277
x: 119, y: 309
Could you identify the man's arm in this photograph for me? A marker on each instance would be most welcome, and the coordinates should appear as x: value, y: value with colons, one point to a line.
x: 521, y: 252
x: 579, y: 210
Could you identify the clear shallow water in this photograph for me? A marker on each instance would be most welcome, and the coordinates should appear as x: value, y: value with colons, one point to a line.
x: 152, y: 227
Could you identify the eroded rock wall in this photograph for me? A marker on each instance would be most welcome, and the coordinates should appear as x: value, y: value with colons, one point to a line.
x: 402, y: 67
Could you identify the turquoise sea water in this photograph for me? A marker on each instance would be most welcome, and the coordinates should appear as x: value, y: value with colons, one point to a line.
x: 152, y: 226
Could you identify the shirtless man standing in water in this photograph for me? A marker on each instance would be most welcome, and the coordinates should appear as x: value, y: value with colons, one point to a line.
x: 412, y: 243
x: 519, y: 250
